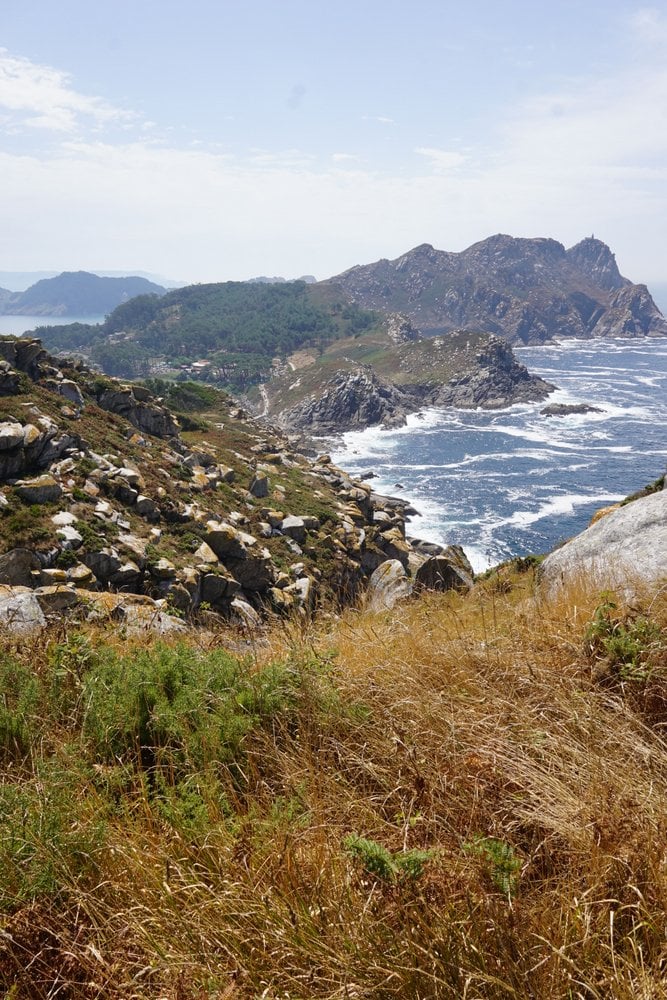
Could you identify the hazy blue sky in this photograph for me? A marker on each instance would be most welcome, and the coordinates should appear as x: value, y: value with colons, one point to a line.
x: 211, y: 140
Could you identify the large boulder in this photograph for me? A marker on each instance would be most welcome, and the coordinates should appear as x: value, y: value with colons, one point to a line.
x: 442, y: 573
x: 627, y: 547
x: 43, y: 489
x: 20, y: 610
x: 388, y: 585
x: 17, y: 566
x: 226, y: 541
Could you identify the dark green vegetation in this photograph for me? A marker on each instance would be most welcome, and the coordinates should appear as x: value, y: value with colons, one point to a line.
x: 239, y: 327
x: 76, y: 293
x: 449, y: 800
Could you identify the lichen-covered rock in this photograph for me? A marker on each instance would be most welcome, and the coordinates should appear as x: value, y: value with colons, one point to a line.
x: 55, y: 598
x: 225, y: 541
x: 259, y: 485
x: 20, y: 610
x: 42, y: 489
x: 294, y: 527
x: 11, y: 435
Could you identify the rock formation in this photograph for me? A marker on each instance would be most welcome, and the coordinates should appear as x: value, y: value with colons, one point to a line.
x: 107, y: 509
x: 626, y: 547
x: 424, y: 373
x: 527, y: 291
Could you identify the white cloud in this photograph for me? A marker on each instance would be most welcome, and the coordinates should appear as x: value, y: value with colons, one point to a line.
x: 382, y: 119
x: 42, y: 97
x: 442, y: 159
x: 588, y: 157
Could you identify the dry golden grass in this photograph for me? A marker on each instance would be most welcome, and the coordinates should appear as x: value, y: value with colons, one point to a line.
x: 483, y: 730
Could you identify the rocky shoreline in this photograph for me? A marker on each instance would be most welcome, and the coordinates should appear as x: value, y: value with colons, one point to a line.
x: 107, y: 508
x: 354, y: 400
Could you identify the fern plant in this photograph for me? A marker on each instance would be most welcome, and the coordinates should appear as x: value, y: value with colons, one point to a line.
x: 502, y: 863
x: 378, y: 861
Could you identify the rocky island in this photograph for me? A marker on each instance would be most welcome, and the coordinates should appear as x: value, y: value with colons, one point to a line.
x: 527, y: 291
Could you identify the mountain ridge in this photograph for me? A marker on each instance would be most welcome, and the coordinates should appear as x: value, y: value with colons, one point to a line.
x: 528, y: 291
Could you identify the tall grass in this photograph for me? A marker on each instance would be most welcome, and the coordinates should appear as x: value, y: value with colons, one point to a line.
x: 465, y: 797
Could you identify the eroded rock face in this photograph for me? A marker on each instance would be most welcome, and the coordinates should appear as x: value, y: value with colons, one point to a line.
x: 349, y: 401
x: 627, y: 546
x: 138, y: 407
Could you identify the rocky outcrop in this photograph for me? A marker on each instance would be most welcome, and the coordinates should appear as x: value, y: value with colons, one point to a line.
x: 496, y: 381
x: 137, y: 405
x: 565, y: 409
x: 350, y: 401
x: 527, y: 291
x: 356, y: 399
x: 237, y: 526
x: 625, y: 548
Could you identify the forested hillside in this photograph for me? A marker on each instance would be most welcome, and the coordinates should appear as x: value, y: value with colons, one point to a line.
x: 240, y: 327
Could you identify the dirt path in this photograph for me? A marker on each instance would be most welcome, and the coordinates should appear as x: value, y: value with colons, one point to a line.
x: 265, y: 400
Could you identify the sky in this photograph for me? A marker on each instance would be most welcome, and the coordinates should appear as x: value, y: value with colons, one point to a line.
x: 215, y: 140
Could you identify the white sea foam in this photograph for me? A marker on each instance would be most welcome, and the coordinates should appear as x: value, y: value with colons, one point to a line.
x: 502, y: 482
x: 559, y: 505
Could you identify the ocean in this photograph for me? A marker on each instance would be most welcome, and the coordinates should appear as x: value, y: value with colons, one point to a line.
x: 513, y: 482
x: 18, y: 325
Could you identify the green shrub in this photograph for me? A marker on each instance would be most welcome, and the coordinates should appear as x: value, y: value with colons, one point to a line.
x: 629, y: 646
x: 48, y: 835
x: 378, y: 861
x: 179, y: 710
x: 503, y: 866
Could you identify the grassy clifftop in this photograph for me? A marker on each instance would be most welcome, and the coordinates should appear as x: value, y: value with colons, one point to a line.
x: 464, y: 797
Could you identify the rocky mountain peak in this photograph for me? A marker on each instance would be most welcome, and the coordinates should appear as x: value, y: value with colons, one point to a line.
x: 502, y: 247
x: 595, y: 259
x: 527, y: 291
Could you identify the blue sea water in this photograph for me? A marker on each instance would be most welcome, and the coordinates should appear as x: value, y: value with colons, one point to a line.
x: 18, y: 325
x: 513, y: 482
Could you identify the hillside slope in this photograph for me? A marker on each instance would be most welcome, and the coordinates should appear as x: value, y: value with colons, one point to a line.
x: 464, y: 797
x: 236, y: 327
x: 105, y: 492
x: 527, y: 291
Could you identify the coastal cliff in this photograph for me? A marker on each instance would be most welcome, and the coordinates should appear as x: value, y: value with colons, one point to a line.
x: 343, y: 391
